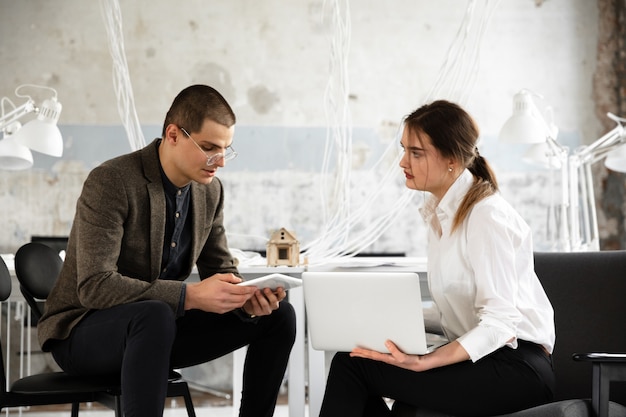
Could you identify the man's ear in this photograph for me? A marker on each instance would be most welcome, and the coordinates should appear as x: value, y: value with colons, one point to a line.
x: 171, y: 133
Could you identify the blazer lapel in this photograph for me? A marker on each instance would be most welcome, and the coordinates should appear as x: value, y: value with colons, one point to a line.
x: 198, y: 211
x: 157, y: 227
x: 152, y: 171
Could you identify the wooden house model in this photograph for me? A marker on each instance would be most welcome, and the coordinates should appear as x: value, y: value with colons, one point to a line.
x: 283, y: 249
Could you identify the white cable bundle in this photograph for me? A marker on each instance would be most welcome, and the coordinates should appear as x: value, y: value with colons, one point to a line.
x: 121, y: 80
x: 346, y: 233
x: 336, y: 208
x: 457, y: 76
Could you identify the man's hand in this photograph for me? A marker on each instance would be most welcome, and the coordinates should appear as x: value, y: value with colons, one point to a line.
x: 264, y: 301
x: 218, y: 294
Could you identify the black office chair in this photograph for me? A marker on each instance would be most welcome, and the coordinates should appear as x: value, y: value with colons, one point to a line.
x: 37, y: 267
x: 588, y: 293
x: 50, y: 387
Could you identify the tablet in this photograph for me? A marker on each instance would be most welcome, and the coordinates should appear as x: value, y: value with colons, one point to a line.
x: 274, y: 281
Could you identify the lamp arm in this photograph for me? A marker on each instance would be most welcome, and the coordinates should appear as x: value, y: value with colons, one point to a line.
x: 602, y: 153
x: 556, y: 148
x: 614, y: 137
x: 598, y: 149
x: 28, y: 107
x: 17, y: 113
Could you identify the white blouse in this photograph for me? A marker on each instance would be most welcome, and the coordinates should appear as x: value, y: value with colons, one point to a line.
x: 481, y: 277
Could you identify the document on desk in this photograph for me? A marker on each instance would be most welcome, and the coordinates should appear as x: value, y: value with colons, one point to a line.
x: 418, y: 264
x: 274, y: 281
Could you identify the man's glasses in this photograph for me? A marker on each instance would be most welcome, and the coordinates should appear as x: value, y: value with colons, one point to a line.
x: 228, y: 154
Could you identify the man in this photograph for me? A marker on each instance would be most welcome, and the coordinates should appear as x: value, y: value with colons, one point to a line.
x: 142, y: 221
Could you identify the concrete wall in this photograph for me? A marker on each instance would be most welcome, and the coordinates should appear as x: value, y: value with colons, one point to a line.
x: 272, y: 60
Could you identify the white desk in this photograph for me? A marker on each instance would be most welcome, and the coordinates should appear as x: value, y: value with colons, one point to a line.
x: 297, y: 370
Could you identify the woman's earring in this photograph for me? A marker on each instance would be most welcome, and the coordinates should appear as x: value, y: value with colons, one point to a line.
x: 449, y: 169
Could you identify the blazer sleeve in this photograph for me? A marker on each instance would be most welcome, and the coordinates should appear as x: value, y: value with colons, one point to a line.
x: 113, y: 217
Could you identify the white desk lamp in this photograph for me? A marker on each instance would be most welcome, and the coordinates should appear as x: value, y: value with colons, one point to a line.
x: 578, y: 219
x: 616, y: 159
x: 526, y: 125
x: 40, y: 134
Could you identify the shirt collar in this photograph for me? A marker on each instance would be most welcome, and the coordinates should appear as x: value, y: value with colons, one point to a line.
x: 448, y: 205
x: 170, y: 188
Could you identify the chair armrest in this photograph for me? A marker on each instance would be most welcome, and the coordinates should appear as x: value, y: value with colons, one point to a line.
x: 607, y: 367
x: 599, y: 357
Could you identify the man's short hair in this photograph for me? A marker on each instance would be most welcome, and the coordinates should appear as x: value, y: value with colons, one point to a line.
x: 196, y: 103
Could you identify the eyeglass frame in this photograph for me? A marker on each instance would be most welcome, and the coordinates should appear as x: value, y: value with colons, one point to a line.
x: 228, y: 155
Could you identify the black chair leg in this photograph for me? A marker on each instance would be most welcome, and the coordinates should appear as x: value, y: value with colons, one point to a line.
x: 191, y: 412
x: 75, y: 407
x: 180, y: 388
x: 118, y: 406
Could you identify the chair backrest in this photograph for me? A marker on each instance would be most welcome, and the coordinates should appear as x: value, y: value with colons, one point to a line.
x: 5, y: 281
x: 588, y: 293
x: 5, y: 292
x: 37, y: 268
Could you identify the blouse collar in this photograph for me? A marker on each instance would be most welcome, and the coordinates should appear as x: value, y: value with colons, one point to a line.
x: 446, y: 207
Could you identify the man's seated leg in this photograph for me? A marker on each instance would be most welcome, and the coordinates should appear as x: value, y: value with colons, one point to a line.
x: 133, y: 340
x: 202, y: 337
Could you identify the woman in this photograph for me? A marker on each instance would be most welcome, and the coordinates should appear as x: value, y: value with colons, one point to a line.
x: 487, y: 297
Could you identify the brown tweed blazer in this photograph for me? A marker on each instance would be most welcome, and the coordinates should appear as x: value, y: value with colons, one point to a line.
x: 116, y: 242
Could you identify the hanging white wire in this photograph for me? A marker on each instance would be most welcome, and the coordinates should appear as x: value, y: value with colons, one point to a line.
x: 339, y: 236
x: 121, y: 79
x: 490, y: 7
x: 458, y: 72
x: 345, y: 232
x: 336, y: 210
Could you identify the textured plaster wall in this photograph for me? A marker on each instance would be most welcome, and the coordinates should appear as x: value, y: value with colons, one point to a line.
x: 272, y: 63
x: 272, y: 60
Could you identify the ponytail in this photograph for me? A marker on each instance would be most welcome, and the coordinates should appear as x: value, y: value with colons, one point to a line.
x: 485, y: 184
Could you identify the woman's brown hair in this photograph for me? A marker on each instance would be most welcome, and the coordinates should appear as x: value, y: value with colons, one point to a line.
x: 454, y: 134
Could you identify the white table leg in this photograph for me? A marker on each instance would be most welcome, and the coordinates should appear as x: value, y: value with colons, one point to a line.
x: 239, y: 358
x: 296, y: 369
x: 317, y: 379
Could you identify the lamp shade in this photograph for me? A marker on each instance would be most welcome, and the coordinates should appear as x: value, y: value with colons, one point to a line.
x: 526, y: 124
x: 543, y: 155
x: 616, y: 159
x: 14, y: 156
x: 43, y: 134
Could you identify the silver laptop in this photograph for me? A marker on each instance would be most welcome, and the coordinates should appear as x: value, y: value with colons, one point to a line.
x: 349, y: 309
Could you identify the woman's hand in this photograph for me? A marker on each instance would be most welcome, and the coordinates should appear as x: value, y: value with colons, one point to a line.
x: 448, y: 354
x: 395, y: 357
